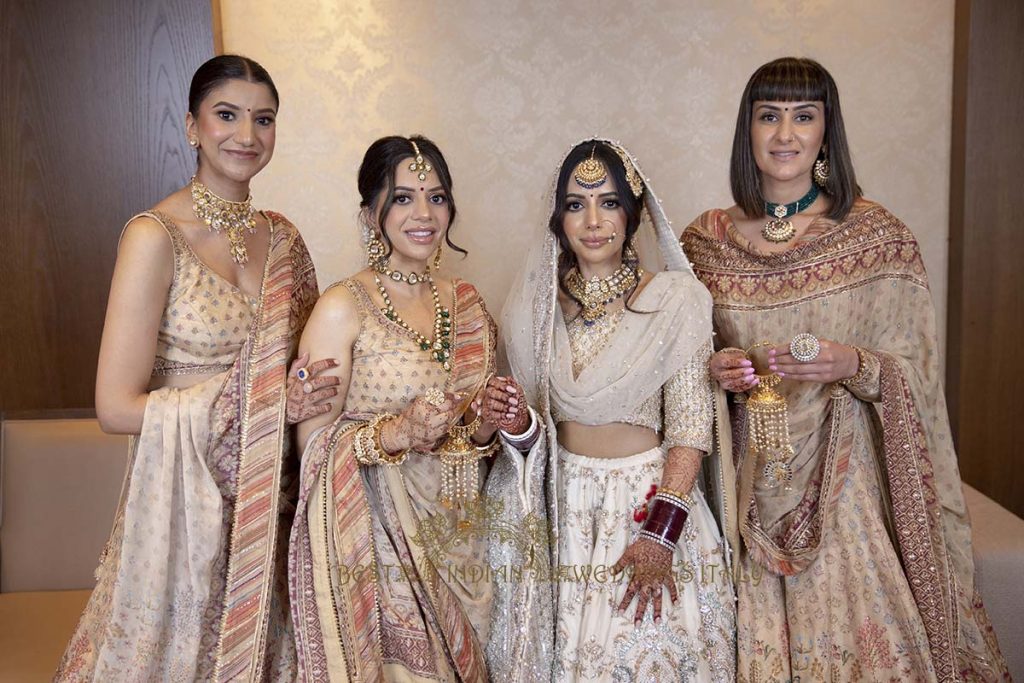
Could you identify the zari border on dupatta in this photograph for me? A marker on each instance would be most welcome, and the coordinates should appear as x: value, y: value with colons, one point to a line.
x: 240, y: 649
x: 917, y: 516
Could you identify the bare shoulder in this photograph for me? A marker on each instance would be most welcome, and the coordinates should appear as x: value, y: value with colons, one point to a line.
x: 336, y: 307
x: 145, y: 247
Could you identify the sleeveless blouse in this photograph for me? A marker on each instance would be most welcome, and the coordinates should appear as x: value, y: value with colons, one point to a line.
x: 389, y: 369
x: 206, y: 320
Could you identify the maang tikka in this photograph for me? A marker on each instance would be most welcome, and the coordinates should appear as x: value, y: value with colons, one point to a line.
x: 418, y: 166
x: 590, y: 173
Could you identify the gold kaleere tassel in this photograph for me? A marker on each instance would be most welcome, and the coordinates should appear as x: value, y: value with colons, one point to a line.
x: 461, y: 471
x: 460, y: 474
x: 768, y: 428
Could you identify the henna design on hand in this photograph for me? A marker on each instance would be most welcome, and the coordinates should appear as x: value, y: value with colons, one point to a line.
x: 309, y: 398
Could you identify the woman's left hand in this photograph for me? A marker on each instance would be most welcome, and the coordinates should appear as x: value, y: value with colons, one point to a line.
x: 834, y: 362
x: 652, y: 570
x: 309, y: 398
x: 487, y: 428
x: 503, y: 404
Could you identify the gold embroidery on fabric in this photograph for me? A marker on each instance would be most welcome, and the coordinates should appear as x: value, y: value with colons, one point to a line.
x: 587, y: 341
x: 865, y: 250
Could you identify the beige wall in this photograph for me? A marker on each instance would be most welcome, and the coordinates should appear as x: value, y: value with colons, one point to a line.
x: 505, y: 86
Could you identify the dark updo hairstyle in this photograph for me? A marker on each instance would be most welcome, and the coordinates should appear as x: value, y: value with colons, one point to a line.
x: 214, y: 72
x: 792, y: 79
x: 377, y: 179
x: 632, y: 205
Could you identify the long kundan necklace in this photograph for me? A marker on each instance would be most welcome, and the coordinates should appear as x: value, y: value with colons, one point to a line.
x: 778, y: 229
x: 440, y: 347
x: 221, y: 215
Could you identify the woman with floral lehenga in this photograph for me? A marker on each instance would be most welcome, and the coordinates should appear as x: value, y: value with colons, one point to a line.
x: 378, y: 591
x: 849, y: 496
x: 206, y: 305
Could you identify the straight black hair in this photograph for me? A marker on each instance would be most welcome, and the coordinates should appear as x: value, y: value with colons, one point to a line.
x: 792, y: 79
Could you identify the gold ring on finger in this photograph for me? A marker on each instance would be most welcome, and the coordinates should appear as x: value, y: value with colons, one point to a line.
x: 434, y: 397
x: 804, y: 347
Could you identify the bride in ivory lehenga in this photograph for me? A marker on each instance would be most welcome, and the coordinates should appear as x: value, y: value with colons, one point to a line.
x: 614, y: 358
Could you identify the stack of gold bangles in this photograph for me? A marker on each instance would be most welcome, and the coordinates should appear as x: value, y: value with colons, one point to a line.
x: 368, y: 446
x: 666, y: 518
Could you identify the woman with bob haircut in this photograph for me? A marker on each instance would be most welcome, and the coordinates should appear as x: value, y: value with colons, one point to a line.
x: 849, y: 498
x: 206, y: 305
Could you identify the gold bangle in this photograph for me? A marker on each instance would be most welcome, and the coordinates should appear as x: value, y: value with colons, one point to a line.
x: 396, y: 458
x: 683, y: 498
x: 368, y: 447
x: 862, y: 369
x: 486, y: 449
x: 362, y: 442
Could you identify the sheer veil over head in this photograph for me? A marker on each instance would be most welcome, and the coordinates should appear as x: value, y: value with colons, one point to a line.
x: 530, y: 310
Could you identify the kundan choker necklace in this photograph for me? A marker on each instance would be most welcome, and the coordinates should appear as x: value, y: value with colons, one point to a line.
x: 219, y: 214
x: 778, y: 229
x: 399, y: 276
x: 597, y: 292
x: 440, y: 348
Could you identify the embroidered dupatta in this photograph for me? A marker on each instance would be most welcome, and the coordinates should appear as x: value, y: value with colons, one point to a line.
x: 334, y: 576
x: 862, y: 283
x: 199, y: 512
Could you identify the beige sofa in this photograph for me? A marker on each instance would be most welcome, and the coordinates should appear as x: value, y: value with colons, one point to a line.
x: 59, y: 485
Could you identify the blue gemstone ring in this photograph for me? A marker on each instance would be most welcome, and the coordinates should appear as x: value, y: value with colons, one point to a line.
x: 302, y: 374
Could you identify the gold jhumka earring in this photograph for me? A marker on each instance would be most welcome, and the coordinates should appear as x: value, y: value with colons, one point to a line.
x: 768, y: 429
x: 821, y: 168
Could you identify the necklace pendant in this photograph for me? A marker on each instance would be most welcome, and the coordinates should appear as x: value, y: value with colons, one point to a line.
x: 778, y: 231
x: 235, y: 219
x: 591, y: 314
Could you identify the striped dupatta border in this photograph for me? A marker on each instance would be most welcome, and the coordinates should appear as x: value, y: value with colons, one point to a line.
x: 356, y: 607
x: 240, y: 649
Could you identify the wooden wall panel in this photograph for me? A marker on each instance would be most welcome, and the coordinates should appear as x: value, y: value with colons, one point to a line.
x: 986, y: 274
x: 92, y: 113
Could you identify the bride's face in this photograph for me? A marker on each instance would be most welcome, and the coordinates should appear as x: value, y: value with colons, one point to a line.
x: 594, y: 222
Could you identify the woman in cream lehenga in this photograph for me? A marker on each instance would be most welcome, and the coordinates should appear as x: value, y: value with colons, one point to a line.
x: 382, y: 582
x: 206, y: 304
x: 615, y: 360
x: 850, y: 501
